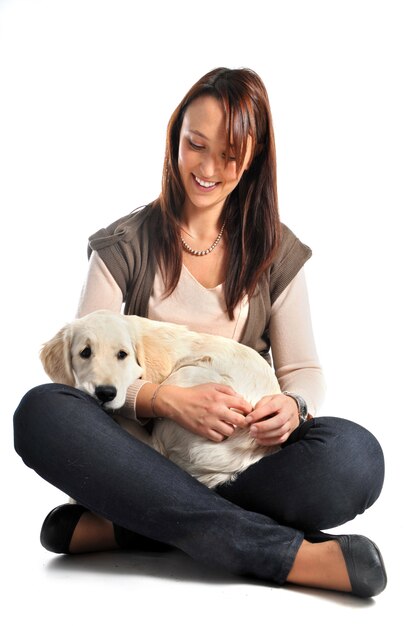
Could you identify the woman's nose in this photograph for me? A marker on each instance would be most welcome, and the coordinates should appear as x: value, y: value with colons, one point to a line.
x: 209, y: 165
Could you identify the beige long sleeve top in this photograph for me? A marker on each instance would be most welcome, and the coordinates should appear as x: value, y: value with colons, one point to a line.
x: 293, y: 347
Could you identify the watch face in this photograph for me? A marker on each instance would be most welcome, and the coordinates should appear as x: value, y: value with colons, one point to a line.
x: 303, y: 409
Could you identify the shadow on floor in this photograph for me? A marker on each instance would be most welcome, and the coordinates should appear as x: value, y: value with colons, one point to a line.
x: 176, y: 566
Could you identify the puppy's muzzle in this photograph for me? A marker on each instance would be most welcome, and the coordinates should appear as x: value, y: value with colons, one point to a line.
x: 105, y: 393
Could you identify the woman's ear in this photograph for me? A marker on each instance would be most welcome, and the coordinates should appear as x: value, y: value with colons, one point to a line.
x: 56, y: 358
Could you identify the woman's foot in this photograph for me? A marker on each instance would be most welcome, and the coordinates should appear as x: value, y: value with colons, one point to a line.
x: 320, y: 565
x: 92, y: 534
x: 350, y: 563
x: 71, y: 529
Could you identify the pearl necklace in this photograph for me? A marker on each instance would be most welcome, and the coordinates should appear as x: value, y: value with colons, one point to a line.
x: 190, y: 250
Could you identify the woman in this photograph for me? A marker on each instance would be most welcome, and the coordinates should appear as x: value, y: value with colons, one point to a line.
x: 210, y: 252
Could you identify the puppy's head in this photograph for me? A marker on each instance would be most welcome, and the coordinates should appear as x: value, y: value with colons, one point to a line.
x: 95, y: 353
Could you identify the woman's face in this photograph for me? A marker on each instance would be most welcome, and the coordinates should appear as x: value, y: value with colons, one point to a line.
x: 206, y: 175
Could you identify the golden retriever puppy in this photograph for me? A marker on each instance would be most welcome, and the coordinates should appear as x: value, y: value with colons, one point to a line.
x: 104, y: 352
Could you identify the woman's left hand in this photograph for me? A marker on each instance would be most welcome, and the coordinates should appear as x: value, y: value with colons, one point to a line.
x: 273, y: 419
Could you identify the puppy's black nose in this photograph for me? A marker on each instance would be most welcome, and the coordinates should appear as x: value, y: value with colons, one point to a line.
x: 106, y: 393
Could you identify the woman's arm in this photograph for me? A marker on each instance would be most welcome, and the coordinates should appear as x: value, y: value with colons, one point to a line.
x: 100, y: 290
x: 294, y: 352
x: 296, y: 366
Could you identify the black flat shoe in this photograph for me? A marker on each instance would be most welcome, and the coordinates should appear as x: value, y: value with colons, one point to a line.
x: 59, y: 526
x: 364, y: 565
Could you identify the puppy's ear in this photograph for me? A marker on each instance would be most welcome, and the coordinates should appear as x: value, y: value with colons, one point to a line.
x: 151, y: 354
x: 56, y: 358
x: 136, y: 332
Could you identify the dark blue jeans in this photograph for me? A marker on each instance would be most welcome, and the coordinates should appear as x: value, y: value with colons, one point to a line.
x: 329, y: 471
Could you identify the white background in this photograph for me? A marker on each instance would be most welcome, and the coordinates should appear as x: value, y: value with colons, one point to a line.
x: 86, y: 91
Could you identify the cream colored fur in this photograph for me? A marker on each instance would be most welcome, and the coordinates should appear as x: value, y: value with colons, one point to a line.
x: 169, y: 353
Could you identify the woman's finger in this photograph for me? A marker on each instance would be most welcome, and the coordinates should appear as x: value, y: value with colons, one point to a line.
x: 260, y: 413
x: 274, y: 423
x: 273, y: 432
x: 267, y: 440
x: 234, y: 400
x: 215, y: 436
x: 232, y: 417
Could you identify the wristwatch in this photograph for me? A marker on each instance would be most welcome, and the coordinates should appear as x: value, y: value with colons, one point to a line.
x: 302, y: 405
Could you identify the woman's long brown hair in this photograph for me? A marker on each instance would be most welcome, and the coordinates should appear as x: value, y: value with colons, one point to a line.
x: 251, y: 210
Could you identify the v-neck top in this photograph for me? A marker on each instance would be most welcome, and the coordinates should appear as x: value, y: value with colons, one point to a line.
x: 206, y: 306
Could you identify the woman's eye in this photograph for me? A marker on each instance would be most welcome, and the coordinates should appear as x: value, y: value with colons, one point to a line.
x: 86, y: 353
x: 121, y: 355
x: 195, y: 146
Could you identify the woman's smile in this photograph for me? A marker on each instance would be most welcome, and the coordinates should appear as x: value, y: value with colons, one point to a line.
x: 204, y: 185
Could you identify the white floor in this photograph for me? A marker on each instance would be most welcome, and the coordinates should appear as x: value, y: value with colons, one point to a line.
x: 130, y: 588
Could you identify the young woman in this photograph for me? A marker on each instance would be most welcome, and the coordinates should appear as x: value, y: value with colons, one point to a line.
x: 210, y: 252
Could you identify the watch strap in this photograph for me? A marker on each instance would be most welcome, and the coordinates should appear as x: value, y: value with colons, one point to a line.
x: 301, y: 403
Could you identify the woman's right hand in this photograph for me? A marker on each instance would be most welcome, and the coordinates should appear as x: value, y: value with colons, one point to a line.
x: 210, y: 410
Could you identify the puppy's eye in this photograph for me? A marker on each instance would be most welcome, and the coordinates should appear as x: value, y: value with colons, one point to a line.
x: 86, y: 353
x: 121, y: 355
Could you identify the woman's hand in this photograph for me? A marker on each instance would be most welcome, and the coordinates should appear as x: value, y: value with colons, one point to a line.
x: 210, y: 410
x: 273, y: 419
